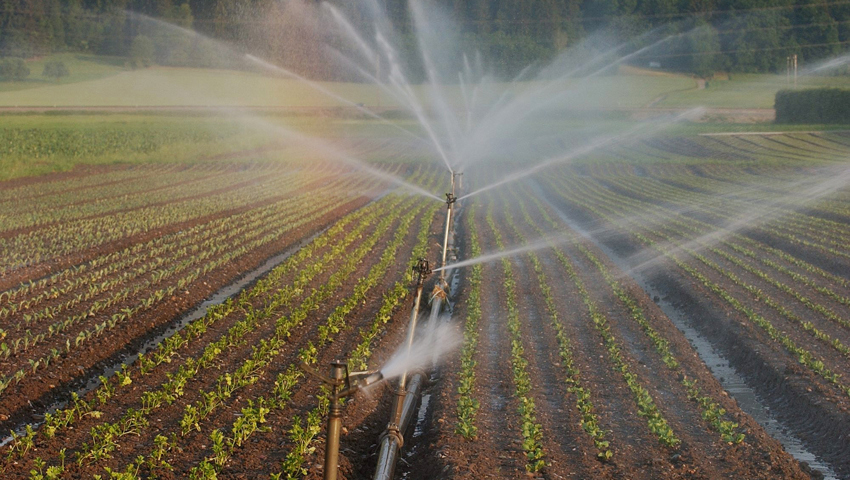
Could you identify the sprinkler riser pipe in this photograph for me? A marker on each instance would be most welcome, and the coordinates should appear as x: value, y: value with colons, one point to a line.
x: 411, y: 330
x: 338, y: 372
x: 332, y: 448
x: 446, y: 240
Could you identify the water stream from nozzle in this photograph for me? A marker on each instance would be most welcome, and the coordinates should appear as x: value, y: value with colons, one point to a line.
x: 442, y: 340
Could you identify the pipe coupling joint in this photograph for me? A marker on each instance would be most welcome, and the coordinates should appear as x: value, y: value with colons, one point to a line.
x: 392, y: 433
x: 438, y: 292
x: 424, y: 377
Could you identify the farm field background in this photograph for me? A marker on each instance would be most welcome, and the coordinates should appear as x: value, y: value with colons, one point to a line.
x: 567, y: 365
x: 105, y: 82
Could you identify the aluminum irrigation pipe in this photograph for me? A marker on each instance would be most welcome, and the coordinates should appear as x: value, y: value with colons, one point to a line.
x: 410, y: 385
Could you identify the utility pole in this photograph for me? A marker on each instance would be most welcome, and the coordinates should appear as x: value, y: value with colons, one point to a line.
x: 794, y: 60
x: 788, y: 70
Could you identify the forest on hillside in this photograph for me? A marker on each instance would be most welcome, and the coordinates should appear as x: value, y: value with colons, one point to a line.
x: 713, y: 35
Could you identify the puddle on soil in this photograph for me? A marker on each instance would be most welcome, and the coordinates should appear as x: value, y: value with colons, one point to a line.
x: 719, y: 366
x: 229, y: 291
x: 421, y: 415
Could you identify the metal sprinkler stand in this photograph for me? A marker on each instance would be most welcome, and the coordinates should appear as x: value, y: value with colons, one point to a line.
x: 422, y: 269
x: 343, y: 384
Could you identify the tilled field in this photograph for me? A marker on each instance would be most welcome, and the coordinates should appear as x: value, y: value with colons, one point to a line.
x: 568, y: 369
x: 126, y: 284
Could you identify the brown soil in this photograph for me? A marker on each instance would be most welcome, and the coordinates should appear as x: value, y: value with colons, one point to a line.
x: 793, y: 393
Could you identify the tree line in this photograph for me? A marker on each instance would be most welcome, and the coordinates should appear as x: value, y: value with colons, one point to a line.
x: 704, y: 35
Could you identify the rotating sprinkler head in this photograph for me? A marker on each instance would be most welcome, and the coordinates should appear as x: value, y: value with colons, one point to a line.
x: 343, y: 384
x: 450, y: 199
x: 422, y: 269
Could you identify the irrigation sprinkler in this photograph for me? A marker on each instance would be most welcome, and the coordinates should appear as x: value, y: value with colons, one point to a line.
x: 422, y: 270
x: 343, y: 384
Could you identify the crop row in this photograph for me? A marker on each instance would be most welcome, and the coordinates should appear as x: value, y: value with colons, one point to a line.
x: 245, y: 425
x: 685, y: 229
x: 803, y: 355
x: 697, y: 226
x: 711, y: 412
x: 759, y: 295
x: 61, y: 239
x: 58, y: 187
x: 165, y: 254
x: 532, y: 431
x: 213, y: 254
x: 215, y: 314
x: 78, y: 409
x: 644, y: 402
x: 53, y: 240
x: 83, y: 204
x: 301, y: 438
x: 250, y: 369
x: 31, y: 293
x: 161, y: 189
x: 467, y: 405
x: 35, y: 143
x: 777, y: 214
x: 240, y: 329
x: 589, y: 418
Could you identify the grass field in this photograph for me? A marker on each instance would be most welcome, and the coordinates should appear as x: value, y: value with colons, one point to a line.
x: 37, y: 144
x: 746, y: 91
x: 104, y: 82
x: 82, y: 68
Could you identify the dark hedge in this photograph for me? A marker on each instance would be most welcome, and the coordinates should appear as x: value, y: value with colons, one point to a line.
x: 820, y: 105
